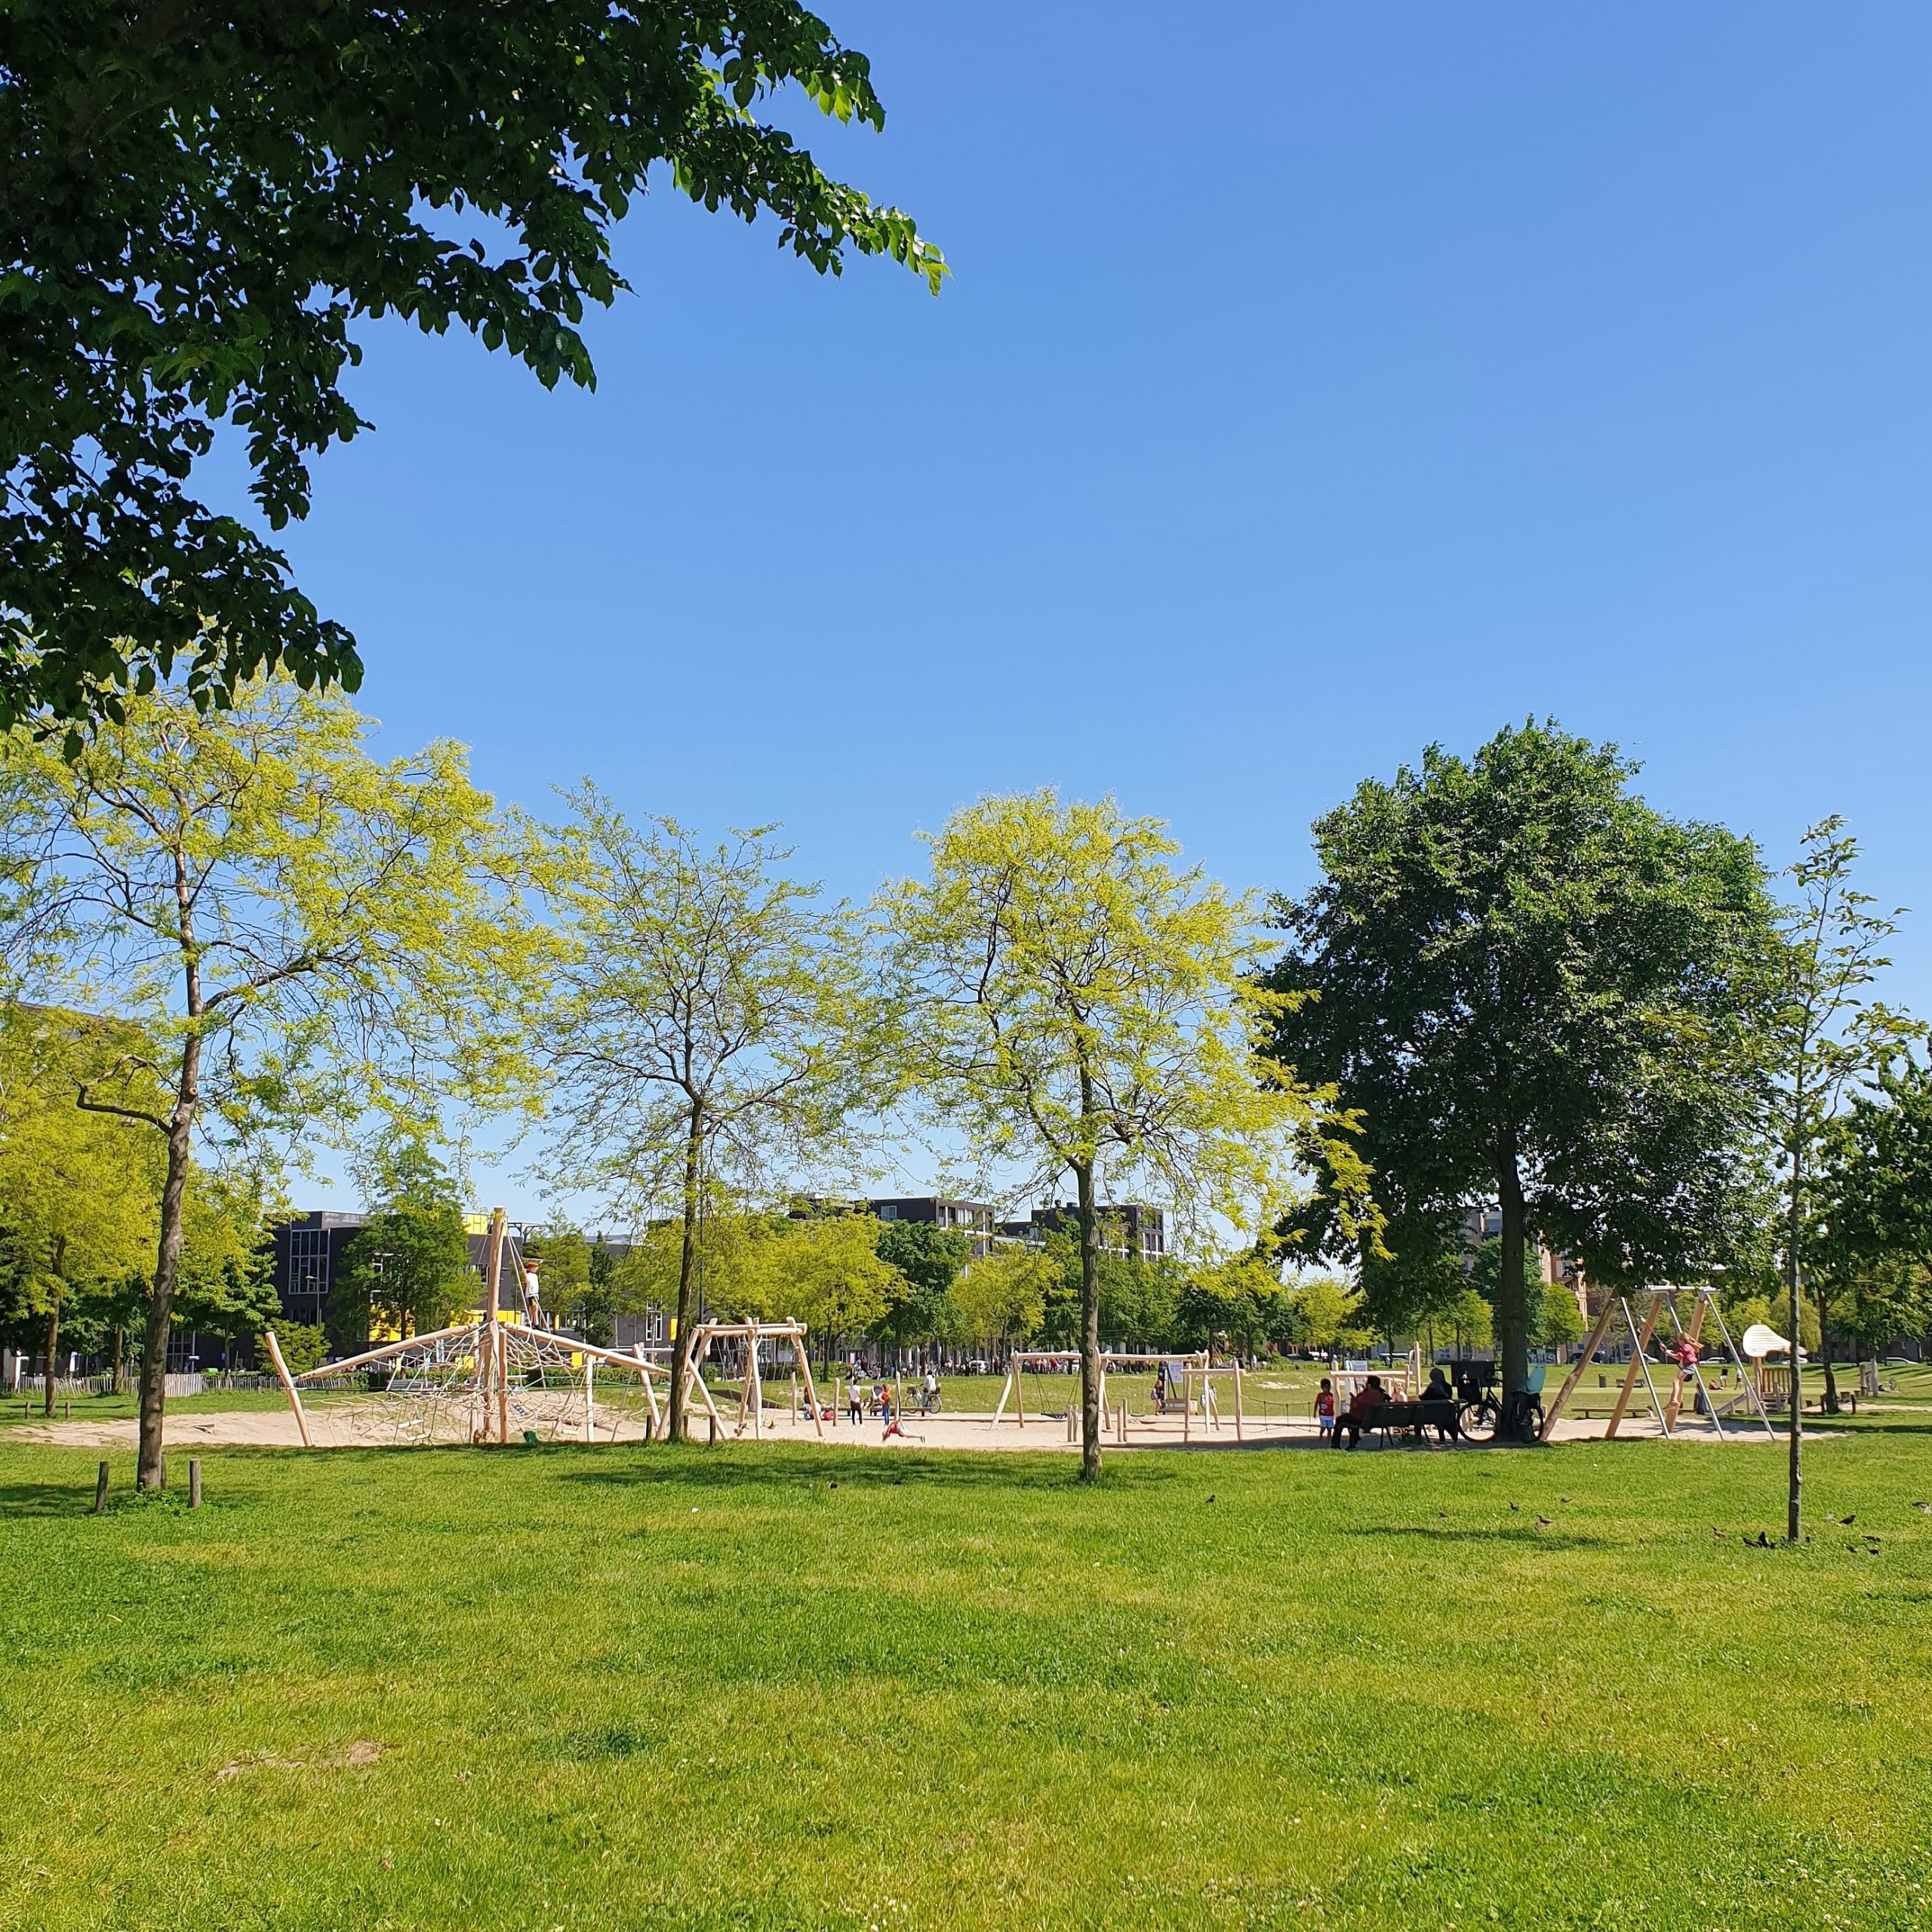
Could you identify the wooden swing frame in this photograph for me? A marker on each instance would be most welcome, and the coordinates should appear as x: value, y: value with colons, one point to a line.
x: 751, y: 1397
x: 1195, y: 1367
x: 1667, y: 1409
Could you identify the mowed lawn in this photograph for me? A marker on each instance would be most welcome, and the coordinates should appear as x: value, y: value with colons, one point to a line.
x: 639, y: 1686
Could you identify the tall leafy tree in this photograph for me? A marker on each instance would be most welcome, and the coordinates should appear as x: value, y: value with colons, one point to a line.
x: 408, y: 1266
x: 930, y: 1259
x: 199, y: 204
x: 1825, y: 1037
x: 1876, y: 1207
x: 1090, y: 1010
x: 297, y: 930
x: 715, y: 1028
x: 1538, y: 990
x: 77, y: 1191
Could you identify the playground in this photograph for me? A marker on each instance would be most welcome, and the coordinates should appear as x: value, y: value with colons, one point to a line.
x: 774, y: 1685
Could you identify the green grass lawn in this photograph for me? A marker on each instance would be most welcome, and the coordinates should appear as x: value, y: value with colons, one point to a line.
x: 789, y: 1686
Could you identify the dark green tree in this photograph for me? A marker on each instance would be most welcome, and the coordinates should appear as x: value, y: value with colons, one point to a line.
x: 1538, y: 991
x: 1873, y: 1272
x: 201, y: 203
x: 407, y: 1268
x: 930, y: 1258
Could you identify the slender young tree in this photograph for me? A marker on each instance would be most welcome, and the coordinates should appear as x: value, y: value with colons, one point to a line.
x: 1539, y: 990
x: 1824, y: 1039
x: 714, y: 1027
x: 1090, y: 1010
x: 297, y: 932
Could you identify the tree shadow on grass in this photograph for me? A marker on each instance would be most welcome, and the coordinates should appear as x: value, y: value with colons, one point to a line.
x: 1509, y: 1533
x: 816, y: 1469
x: 46, y: 1499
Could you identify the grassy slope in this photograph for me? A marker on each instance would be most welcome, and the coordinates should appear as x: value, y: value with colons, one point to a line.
x: 778, y: 1688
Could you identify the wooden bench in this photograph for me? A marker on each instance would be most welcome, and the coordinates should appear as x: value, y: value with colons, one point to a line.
x: 1410, y: 1418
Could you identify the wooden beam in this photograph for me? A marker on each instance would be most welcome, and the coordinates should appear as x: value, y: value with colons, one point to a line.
x: 1594, y: 1342
x: 1642, y: 1341
x: 382, y: 1354
x: 288, y: 1383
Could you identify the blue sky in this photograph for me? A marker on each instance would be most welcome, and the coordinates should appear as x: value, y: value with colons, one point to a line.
x: 1362, y: 376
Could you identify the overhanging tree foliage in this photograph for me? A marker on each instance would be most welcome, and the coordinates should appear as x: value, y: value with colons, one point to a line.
x: 199, y: 204
x: 1538, y: 990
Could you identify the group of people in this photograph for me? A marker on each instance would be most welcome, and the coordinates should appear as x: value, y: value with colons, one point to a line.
x: 880, y: 1404
x: 1372, y: 1396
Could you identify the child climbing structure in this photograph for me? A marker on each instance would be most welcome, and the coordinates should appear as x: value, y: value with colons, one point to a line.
x: 499, y: 1378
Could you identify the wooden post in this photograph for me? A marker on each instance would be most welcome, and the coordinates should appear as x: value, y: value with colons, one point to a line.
x: 100, y: 1491
x: 289, y: 1386
x: 795, y: 1395
x: 493, y: 1365
x: 1019, y: 1392
x: 1187, y: 1404
x: 1005, y: 1389
x: 1675, y: 1406
x: 1239, y: 1436
x: 839, y: 1399
x: 757, y: 1383
x: 1636, y: 1365
x: 1592, y: 1344
x: 194, y: 1482
x: 804, y: 1361
x: 589, y: 1398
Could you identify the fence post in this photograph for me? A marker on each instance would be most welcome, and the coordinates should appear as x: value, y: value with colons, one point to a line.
x: 194, y: 1482
x: 100, y: 1491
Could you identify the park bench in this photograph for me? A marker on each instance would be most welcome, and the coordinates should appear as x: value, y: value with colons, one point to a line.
x: 1410, y: 1418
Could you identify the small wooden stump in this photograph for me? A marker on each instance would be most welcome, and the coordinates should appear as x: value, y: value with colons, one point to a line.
x: 100, y: 1491
x: 194, y: 1482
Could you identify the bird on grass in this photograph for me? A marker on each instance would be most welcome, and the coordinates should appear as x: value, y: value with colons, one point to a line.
x: 1544, y: 1520
x: 1851, y: 1519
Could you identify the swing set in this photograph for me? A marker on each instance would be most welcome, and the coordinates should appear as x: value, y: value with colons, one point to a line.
x: 1198, y: 1376
x: 1656, y: 1302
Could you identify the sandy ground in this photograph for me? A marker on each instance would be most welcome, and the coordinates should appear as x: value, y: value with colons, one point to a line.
x: 373, y: 1426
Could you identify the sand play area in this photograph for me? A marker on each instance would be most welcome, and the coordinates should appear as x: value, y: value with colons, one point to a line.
x: 373, y: 1422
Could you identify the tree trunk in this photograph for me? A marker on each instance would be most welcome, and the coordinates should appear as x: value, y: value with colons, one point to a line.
x: 1793, y: 1315
x: 114, y: 1368
x: 687, y: 1272
x: 1512, y: 1315
x: 1089, y: 1327
x: 167, y: 1266
x: 1824, y: 1351
x: 53, y: 1343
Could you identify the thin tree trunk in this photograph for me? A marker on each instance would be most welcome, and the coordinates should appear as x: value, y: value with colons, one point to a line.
x: 1512, y: 1317
x: 687, y: 1272
x: 1793, y: 1315
x: 1825, y: 1351
x: 53, y: 1343
x: 167, y: 1267
x: 1089, y: 1327
x: 114, y: 1371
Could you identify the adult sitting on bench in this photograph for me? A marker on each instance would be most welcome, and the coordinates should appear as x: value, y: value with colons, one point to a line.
x: 1360, y: 1413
